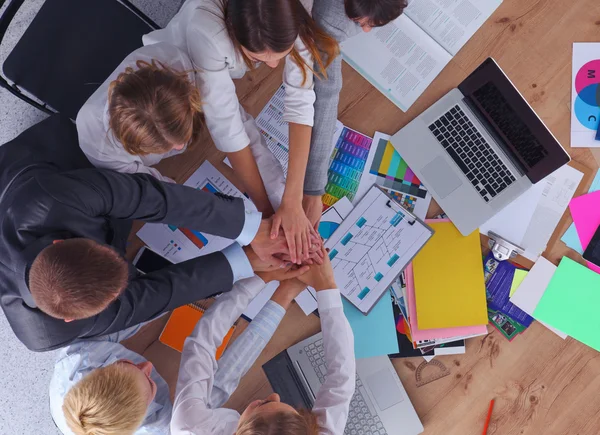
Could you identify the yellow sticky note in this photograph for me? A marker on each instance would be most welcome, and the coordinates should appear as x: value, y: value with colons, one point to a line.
x: 448, y: 278
x: 517, y: 280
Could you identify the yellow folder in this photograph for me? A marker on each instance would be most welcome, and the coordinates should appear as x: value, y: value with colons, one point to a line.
x: 449, y: 282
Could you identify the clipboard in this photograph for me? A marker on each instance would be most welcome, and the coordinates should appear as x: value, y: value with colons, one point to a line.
x: 373, y: 245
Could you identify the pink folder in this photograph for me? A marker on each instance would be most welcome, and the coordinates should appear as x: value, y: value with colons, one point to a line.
x: 585, y: 210
x: 428, y: 334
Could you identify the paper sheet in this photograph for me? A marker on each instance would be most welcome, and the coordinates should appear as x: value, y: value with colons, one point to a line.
x: 570, y: 237
x: 274, y: 129
x: 181, y: 244
x: 432, y: 334
x: 517, y: 280
x: 528, y: 294
x: 385, y: 167
x: 585, y: 110
x: 571, y: 301
x: 533, y: 231
x: 375, y: 334
x: 585, y: 210
x: 372, y: 246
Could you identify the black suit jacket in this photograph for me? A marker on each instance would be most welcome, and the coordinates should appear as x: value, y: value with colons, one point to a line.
x: 50, y: 191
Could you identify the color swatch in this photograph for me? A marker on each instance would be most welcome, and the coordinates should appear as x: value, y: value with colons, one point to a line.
x: 347, y: 165
x: 393, y: 172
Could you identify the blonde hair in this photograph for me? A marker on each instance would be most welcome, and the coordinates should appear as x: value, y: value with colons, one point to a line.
x: 302, y: 422
x: 153, y: 108
x: 108, y: 401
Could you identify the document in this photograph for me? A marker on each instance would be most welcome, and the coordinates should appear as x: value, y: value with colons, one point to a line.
x: 585, y: 105
x: 402, y: 58
x: 372, y: 246
x: 530, y: 220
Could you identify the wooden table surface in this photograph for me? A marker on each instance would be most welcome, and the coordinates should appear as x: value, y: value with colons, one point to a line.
x: 542, y: 384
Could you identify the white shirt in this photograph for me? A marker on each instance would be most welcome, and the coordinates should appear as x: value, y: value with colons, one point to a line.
x: 79, y: 359
x: 199, y: 29
x: 96, y: 140
x: 196, y: 412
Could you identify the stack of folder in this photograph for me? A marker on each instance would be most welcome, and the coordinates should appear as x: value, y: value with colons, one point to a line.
x: 441, y: 297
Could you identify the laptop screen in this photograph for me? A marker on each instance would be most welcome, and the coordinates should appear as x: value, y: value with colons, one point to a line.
x: 523, y: 134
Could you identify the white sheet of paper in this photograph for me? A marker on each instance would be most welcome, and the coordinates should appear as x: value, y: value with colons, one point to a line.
x: 585, y: 113
x: 528, y: 294
x: 553, y: 194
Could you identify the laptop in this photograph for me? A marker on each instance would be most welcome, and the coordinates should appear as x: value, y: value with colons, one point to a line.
x: 479, y: 147
x: 379, y: 406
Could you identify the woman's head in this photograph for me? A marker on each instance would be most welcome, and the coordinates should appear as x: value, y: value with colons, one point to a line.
x: 266, y: 30
x: 110, y: 400
x: 273, y: 417
x: 154, y: 109
x: 374, y: 13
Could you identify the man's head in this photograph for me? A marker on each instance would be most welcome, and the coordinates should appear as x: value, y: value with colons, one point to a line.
x: 374, y: 13
x: 77, y: 278
x: 111, y: 400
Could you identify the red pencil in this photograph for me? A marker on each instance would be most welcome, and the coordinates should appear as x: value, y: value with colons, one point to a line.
x: 489, y: 417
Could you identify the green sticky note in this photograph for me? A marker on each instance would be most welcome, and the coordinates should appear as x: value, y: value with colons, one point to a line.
x: 517, y: 280
x: 570, y: 303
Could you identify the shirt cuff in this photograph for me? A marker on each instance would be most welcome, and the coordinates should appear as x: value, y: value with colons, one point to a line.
x: 267, y: 320
x: 240, y: 265
x: 250, y: 228
x: 327, y: 299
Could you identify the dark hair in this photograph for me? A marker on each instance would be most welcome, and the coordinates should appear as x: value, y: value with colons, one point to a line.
x: 154, y: 107
x: 377, y: 12
x: 77, y: 278
x: 274, y: 25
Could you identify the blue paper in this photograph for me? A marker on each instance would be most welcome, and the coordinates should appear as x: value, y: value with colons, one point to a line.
x: 375, y: 333
x: 498, y: 280
x: 570, y: 237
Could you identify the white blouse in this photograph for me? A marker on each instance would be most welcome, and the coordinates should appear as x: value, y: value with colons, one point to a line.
x: 96, y: 140
x: 199, y: 29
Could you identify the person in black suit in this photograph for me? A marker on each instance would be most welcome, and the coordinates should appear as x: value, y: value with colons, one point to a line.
x: 63, y: 233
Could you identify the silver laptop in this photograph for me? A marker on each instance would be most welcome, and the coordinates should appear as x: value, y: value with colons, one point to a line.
x: 379, y: 406
x: 479, y: 147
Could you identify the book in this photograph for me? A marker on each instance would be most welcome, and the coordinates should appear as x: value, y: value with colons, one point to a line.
x: 181, y: 324
x: 403, y: 58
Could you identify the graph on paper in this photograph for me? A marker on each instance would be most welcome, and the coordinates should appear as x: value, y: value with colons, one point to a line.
x: 372, y: 246
x: 274, y: 129
x: 181, y: 244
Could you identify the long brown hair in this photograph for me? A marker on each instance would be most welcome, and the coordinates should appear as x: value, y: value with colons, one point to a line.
x: 274, y: 25
x: 302, y: 422
x: 154, y: 107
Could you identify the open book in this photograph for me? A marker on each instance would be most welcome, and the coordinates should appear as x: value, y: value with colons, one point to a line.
x: 402, y: 58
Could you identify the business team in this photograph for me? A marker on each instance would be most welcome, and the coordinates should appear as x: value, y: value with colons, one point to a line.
x: 66, y: 216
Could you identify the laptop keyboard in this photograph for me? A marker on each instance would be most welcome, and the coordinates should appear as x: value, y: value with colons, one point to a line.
x: 361, y: 421
x: 471, y: 152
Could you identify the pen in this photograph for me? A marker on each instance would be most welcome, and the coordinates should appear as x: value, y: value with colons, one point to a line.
x: 489, y: 416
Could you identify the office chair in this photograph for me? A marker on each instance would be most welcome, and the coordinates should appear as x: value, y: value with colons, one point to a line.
x: 69, y: 49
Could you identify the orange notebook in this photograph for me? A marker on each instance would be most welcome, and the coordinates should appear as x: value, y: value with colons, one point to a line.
x: 182, y: 323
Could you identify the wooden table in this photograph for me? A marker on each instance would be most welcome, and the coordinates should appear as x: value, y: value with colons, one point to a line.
x: 542, y: 384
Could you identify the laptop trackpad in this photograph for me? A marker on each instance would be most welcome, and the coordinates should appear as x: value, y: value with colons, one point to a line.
x: 384, y: 389
x: 441, y: 177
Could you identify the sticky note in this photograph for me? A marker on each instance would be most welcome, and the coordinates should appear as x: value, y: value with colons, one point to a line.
x: 570, y: 302
x: 448, y: 279
x: 517, y: 280
x: 585, y: 210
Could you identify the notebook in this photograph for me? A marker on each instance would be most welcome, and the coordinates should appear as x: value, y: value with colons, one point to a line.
x: 402, y: 58
x: 181, y: 324
x: 448, y: 279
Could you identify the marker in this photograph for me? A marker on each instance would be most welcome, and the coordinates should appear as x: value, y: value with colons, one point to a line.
x: 489, y: 416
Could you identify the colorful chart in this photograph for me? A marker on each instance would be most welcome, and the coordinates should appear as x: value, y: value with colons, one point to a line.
x: 347, y: 165
x: 587, y: 103
x: 393, y: 172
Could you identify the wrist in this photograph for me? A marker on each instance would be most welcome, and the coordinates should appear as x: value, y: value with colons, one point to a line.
x: 281, y: 299
x: 327, y: 284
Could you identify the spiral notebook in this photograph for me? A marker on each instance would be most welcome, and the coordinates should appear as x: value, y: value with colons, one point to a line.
x: 181, y: 324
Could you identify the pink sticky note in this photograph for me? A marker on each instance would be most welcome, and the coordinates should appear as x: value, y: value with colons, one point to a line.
x: 428, y: 334
x: 585, y: 210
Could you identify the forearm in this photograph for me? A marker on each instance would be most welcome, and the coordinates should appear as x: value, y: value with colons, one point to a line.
x: 299, y: 149
x: 246, y: 170
x: 241, y: 355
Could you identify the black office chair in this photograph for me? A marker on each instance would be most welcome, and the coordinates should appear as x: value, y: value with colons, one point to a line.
x: 69, y: 49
